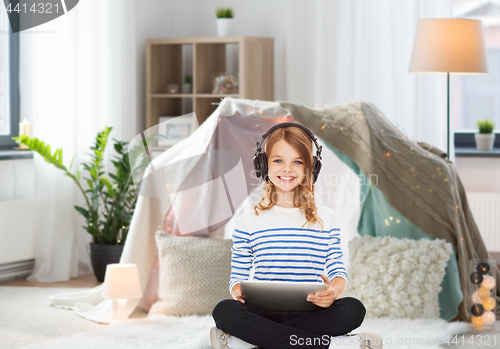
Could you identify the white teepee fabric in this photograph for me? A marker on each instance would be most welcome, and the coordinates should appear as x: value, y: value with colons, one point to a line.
x: 234, y: 127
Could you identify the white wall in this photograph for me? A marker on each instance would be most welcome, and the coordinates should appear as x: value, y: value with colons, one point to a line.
x: 479, y: 174
x: 182, y: 18
x: 179, y: 18
x: 17, y: 236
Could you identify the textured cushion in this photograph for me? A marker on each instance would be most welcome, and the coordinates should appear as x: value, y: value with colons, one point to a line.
x: 398, y: 278
x: 194, y: 274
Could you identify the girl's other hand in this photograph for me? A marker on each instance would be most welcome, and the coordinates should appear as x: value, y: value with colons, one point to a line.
x: 324, y: 298
x: 236, y: 293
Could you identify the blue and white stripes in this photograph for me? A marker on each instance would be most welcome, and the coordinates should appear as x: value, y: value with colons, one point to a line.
x: 285, y: 253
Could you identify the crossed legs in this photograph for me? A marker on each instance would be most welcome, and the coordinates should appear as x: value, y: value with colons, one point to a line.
x: 285, y: 329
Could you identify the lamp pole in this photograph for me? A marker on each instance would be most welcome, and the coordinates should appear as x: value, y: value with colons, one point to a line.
x: 448, y: 120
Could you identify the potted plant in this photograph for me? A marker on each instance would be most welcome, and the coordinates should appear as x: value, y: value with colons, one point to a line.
x: 187, y: 86
x: 224, y: 21
x: 485, y: 138
x: 110, y: 202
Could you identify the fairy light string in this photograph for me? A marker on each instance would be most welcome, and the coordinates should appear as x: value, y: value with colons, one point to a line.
x: 410, y: 147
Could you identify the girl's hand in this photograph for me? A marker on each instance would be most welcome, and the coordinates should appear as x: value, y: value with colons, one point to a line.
x: 236, y: 293
x: 324, y: 298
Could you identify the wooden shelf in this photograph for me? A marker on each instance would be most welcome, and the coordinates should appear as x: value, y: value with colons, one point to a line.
x: 172, y: 95
x: 191, y: 95
x: 251, y: 59
x: 208, y: 40
x: 217, y: 95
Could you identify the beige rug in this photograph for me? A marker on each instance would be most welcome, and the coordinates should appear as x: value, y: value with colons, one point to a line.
x: 28, y: 322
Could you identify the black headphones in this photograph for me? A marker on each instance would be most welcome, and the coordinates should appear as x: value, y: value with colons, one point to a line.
x: 260, y: 159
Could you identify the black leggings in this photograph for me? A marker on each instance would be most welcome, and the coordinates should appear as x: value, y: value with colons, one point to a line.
x: 289, y: 329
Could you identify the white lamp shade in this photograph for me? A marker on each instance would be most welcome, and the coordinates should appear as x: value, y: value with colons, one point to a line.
x: 445, y: 45
x: 122, y: 282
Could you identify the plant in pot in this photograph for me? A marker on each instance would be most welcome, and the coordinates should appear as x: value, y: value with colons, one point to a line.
x: 187, y: 86
x: 485, y: 138
x: 110, y: 203
x: 224, y: 21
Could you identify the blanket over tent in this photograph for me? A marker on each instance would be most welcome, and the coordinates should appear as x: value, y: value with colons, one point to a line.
x: 417, y: 180
x: 238, y: 125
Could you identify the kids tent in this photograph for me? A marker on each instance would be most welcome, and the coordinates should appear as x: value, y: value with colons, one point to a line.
x: 370, y: 172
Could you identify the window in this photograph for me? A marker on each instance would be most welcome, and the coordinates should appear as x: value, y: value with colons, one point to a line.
x: 9, y: 81
x: 478, y: 96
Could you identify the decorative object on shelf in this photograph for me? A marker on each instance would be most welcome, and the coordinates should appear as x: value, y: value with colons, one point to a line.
x: 485, y: 138
x: 173, y: 129
x: 121, y: 284
x: 201, y: 57
x: 187, y: 86
x: 110, y: 203
x: 24, y: 130
x: 173, y: 88
x: 437, y: 50
x: 483, y: 291
x: 225, y: 83
x: 225, y: 21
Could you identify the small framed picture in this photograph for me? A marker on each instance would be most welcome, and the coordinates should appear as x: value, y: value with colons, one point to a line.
x: 176, y: 128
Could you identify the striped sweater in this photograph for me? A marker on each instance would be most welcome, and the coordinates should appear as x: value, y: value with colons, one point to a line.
x: 279, y: 249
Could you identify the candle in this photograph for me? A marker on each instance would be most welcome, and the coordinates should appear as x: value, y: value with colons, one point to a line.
x: 173, y: 88
x: 24, y: 130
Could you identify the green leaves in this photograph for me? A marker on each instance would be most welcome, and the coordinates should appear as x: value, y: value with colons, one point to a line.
x: 85, y: 213
x: 485, y: 125
x: 110, y: 203
x: 224, y: 12
x: 38, y: 146
x: 79, y: 172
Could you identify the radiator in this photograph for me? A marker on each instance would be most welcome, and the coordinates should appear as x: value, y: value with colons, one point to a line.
x: 15, y: 270
x: 485, y: 208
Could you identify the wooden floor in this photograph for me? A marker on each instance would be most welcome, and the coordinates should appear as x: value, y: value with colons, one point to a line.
x: 82, y: 281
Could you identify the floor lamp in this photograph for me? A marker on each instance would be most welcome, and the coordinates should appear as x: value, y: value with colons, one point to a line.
x: 445, y: 45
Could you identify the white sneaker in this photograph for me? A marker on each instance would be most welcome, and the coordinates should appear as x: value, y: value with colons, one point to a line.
x: 363, y: 340
x: 223, y: 340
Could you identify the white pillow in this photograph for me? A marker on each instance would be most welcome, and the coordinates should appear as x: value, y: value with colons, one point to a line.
x: 194, y: 274
x: 397, y: 278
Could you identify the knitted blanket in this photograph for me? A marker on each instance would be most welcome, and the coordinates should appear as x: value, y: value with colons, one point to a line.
x: 416, y: 178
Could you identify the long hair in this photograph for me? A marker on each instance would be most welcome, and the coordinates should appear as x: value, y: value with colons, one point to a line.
x: 304, y: 192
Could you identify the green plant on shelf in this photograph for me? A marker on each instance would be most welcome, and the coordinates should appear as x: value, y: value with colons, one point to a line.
x: 485, y: 125
x: 188, y: 79
x: 224, y: 12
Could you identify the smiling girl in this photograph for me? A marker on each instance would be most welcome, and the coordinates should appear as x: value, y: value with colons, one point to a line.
x: 290, y: 239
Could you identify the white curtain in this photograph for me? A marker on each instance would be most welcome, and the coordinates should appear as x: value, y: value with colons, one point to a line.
x: 361, y: 49
x: 77, y: 75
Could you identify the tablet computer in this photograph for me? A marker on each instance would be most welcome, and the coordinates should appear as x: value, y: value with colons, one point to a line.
x: 281, y: 295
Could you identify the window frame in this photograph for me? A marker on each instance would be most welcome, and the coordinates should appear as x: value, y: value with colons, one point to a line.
x: 6, y: 141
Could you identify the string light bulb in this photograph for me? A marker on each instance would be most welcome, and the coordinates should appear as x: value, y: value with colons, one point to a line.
x: 488, y: 317
x: 488, y: 282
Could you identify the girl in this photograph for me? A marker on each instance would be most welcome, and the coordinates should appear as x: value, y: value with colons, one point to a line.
x: 277, y: 242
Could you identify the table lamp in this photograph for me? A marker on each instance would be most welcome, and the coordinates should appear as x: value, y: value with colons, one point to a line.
x: 449, y: 45
x: 121, y: 282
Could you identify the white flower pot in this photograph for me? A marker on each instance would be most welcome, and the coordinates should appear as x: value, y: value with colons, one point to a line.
x: 187, y: 88
x: 484, y: 141
x: 225, y: 26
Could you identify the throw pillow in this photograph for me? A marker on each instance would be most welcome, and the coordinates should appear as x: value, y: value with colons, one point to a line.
x: 397, y: 278
x: 194, y: 274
